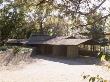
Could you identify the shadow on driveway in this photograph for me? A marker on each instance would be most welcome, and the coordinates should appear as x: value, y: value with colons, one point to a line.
x: 70, y: 61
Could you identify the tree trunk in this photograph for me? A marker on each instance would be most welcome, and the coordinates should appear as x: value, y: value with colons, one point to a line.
x: 41, y: 28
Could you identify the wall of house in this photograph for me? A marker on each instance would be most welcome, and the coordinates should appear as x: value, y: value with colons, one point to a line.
x: 72, y: 51
x: 45, y: 49
x: 59, y: 50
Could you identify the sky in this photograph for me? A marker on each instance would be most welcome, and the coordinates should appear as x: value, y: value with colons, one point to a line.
x: 106, y: 4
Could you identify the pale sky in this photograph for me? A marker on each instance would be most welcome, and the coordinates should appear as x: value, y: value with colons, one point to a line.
x: 106, y: 4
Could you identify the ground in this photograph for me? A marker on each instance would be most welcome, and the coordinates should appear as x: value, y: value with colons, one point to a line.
x: 49, y: 69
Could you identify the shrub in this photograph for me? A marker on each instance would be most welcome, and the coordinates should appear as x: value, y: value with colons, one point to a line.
x: 16, y: 50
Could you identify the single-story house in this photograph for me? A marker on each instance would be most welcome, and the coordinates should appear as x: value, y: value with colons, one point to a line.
x: 57, y: 46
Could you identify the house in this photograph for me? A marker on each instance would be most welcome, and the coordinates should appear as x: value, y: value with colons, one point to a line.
x: 56, y: 46
x: 61, y: 45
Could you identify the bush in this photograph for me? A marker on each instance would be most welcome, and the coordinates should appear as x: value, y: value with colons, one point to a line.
x: 16, y: 50
x: 3, y: 48
x: 94, y: 78
x: 104, y: 56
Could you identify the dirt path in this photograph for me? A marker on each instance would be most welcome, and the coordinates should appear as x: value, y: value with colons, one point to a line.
x: 47, y: 69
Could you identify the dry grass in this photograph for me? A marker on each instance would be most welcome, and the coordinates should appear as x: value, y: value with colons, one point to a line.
x: 8, y: 60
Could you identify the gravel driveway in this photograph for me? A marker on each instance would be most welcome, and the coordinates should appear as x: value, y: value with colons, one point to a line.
x: 48, y: 69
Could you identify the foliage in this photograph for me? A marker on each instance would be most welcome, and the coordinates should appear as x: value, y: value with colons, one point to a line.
x: 94, y: 78
x: 20, y: 50
x: 95, y: 28
x: 20, y: 18
x: 104, y: 56
x: 56, y: 26
x: 16, y: 50
x: 11, y: 18
x: 3, y: 48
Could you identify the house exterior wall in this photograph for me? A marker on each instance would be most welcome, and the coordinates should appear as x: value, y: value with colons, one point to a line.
x: 59, y: 50
x: 67, y: 51
x: 72, y: 51
x: 45, y: 49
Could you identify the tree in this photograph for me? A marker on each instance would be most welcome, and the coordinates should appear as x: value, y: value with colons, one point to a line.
x: 33, y: 16
x: 12, y: 17
x: 13, y: 22
x: 56, y: 26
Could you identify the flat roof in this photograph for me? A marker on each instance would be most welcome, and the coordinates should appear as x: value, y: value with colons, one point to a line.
x: 48, y: 40
x: 60, y: 41
x: 70, y: 42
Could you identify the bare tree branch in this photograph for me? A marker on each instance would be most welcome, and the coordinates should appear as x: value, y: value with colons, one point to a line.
x: 41, y: 2
x: 101, y: 18
x: 97, y: 7
x: 93, y: 10
x: 44, y: 1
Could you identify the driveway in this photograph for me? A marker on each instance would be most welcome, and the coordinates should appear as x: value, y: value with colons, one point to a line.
x: 49, y: 69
